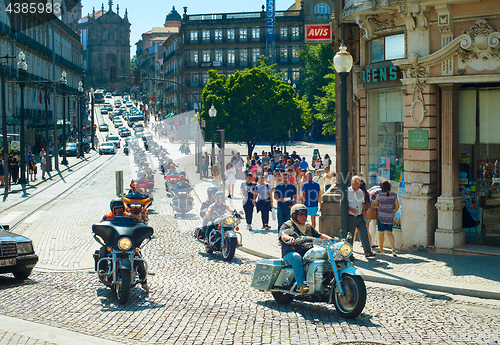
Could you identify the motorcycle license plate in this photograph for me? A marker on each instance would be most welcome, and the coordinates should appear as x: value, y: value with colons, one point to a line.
x: 7, y: 262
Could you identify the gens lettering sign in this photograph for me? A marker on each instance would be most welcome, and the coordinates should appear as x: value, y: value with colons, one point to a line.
x: 380, y: 74
x: 318, y: 33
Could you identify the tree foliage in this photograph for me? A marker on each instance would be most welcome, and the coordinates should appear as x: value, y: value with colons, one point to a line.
x: 133, y: 62
x: 325, y: 105
x: 254, y: 105
x: 318, y: 85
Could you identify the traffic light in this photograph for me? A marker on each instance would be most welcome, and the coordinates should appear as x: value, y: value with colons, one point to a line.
x: 137, y: 76
x: 112, y: 74
x: 220, y: 137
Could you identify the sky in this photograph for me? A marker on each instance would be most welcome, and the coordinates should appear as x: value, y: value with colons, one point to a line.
x: 145, y: 14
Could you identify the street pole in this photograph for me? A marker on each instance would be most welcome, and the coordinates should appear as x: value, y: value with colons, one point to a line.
x: 343, y: 64
x: 63, y: 83
x: 48, y: 163
x: 344, y: 156
x: 92, y: 119
x: 80, y: 117
x: 22, y: 178
x: 4, y: 130
x: 213, y: 145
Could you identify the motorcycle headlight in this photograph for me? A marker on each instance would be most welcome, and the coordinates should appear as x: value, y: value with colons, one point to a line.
x: 229, y: 220
x: 124, y: 243
x: 346, y: 249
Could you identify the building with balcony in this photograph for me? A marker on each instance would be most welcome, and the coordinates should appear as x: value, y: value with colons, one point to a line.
x: 33, y: 35
x: 230, y: 42
x: 424, y: 113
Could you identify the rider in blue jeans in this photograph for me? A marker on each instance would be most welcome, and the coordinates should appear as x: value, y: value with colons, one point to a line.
x: 285, y: 195
x: 291, y: 251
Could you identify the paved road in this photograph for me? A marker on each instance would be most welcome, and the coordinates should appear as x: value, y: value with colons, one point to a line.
x: 198, y: 298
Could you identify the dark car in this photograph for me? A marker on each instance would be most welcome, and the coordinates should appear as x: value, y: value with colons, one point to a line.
x: 71, y: 150
x: 17, y: 255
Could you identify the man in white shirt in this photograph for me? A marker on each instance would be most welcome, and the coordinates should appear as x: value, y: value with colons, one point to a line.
x: 356, y: 198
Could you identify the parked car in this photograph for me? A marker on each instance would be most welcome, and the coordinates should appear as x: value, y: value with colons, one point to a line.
x: 124, y: 133
x: 104, y: 111
x: 118, y: 123
x: 103, y: 127
x: 108, y: 95
x: 71, y: 150
x: 17, y: 255
x: 107, y: 147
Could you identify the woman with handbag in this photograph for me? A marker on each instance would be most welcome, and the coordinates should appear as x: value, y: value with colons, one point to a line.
x: 387, y: 204
x: 366, y: 206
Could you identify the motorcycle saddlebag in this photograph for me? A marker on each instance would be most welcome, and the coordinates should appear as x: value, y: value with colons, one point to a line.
x: 266, y: 272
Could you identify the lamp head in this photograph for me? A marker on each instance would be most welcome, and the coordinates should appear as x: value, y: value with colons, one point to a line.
x: 342, y: 60
x: 63, y: 78
x: 212, y: 111
x: 21, y: 64
x: 80, y: 86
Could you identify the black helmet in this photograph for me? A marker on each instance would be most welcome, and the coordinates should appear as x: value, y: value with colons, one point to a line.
x: 211, y: 190
x: 115, y: 203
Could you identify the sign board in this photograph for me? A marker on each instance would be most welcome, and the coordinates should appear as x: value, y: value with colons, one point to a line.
x: 176, y: 123
x: 217, y: 63
x: 95, y: 126
x: 318, y: 33
x: 270, y: 21
x: 153, y: 99
x: 14, y: 145
x: 418, y: 139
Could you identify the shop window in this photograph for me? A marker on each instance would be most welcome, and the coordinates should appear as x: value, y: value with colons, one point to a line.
x: 385, y: 137
x: 387, y: 48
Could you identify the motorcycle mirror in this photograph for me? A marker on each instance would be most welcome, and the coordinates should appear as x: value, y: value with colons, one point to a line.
x: 349, y: 236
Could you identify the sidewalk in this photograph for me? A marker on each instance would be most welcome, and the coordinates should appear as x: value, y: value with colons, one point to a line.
x: 51, y: 175
x: 445, y: 272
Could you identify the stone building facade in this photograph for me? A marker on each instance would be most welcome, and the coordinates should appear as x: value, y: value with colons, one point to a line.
x: 425, y: 97
x: 106, y: 40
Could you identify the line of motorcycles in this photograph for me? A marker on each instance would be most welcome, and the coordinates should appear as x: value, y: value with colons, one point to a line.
x: 119, y: 262
x: 330, y: 273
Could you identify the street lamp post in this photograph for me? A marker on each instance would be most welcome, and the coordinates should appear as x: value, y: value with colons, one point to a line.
x: 4, y: 127
x: 80, y: 124
x: 64, y: 81
x: 22, y: 67
x: 343, y: 64
x: 92, y: 118
x: 212, y: 112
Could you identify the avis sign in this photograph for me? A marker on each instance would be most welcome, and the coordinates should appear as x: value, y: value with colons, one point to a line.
x: 318, y: 33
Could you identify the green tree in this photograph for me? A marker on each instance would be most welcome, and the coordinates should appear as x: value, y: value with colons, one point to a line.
x: 253, y: 106
x: 133, y: 62
x: 325, y: 105
x: 318, y: 61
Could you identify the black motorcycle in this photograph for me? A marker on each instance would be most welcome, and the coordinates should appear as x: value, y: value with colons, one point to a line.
x: 119, y: 263
x: 185, y: 149
x: 182, y: 202
x: 125, y: 150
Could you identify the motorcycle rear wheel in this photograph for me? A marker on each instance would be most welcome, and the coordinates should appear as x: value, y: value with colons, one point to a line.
x: 351, y: 305
x: 123, y: 289
x: 282, y: 298
x: 228, y: 248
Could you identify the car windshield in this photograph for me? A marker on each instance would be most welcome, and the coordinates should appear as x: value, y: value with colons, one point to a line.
x: 113, y: 138
x: 108, y: 144
x: 70, y: 145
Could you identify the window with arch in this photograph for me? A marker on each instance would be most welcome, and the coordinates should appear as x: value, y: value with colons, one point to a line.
x: 322, y: 11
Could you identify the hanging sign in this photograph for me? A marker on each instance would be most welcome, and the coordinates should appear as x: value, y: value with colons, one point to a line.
x: 318, y: 33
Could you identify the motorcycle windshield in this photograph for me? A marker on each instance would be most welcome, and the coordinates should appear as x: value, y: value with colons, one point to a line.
x: 111, y: 231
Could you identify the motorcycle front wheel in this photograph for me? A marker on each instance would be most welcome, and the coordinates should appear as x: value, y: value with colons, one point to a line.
x: 228, y: 248
x: 123, y: 287
x: 352, y: 303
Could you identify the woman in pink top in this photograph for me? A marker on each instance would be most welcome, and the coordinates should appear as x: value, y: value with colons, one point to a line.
x: 387, y: 206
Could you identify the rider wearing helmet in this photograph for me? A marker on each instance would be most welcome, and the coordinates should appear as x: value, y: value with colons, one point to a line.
x: 117, y: 209
x: 291, y: 251
x: 215, y: 210
x: 211, y: 199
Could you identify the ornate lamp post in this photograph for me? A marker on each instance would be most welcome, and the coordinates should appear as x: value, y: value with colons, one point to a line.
x: 63, y: 82
x: 212, y: 112
x: 80, y: 116
x: 343, y: 64
x: 92, y: 118
x: 22, y: 67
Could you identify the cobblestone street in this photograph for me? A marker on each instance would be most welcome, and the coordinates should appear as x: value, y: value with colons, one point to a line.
x: 197, y: 297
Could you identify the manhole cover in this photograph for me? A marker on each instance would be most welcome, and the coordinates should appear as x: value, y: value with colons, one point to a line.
x: 178, y: 256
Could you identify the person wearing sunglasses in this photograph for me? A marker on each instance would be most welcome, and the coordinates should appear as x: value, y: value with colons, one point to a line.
x: 217, y: 209
x: 292, y: 252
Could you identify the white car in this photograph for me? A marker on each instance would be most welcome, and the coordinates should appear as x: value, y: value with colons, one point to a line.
x: 118, y: 123
x: 115, y: 139
x: 128, y: 104
x: 107, y: 147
